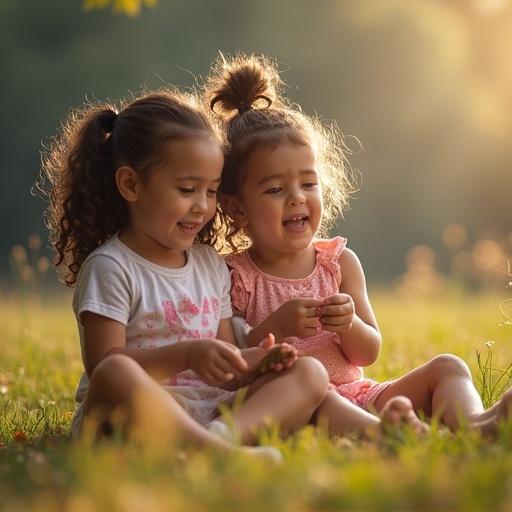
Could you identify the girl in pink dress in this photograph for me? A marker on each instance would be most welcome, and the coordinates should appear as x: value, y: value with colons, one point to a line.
x: 285, y: 181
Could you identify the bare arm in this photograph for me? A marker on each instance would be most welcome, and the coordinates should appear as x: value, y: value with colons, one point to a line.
x: 211, y: 359
x: 261, y: 331
x: 104, y: 336
x: 359, y: 336
x: 225, y: 331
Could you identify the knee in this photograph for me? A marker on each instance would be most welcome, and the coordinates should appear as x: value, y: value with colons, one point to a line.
x: 312, y: 377
x: 448, y: 365
x: 113, y: 370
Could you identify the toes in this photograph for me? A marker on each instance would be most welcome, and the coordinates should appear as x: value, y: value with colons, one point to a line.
x: 399, y: 411
x: 397, y: 407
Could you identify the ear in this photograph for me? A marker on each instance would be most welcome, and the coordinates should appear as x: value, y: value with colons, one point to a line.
x: 235, y: 209
x: 127, y: 182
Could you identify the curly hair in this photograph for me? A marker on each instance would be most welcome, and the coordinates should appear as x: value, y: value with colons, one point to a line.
x: 245, y: 94
x: 78, y: 169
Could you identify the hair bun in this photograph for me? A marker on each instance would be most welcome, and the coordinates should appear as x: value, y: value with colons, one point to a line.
x: 108, y: 120
x: 242, y: 84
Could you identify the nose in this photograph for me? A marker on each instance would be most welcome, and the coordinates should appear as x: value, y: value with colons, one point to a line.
x: 297, y: 197
x: 200, y: 204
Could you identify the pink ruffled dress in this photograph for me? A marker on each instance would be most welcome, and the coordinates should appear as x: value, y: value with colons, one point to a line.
x: 255, y: 295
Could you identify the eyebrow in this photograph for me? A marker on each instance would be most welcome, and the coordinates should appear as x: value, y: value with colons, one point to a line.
x: 195, y: 178
x: 280, y: 175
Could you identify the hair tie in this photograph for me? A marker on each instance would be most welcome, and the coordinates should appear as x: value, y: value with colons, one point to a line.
x: 245, y: 107
x: 109, y: 121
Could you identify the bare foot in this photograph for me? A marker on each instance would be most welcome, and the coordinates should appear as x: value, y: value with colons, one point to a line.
x: 488, y: 422
x: 397, y: 412
x: 267, y: 453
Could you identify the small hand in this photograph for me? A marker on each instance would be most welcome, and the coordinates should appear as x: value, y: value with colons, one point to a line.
x: 297, y: 317
x: 277, y: 357
x: 337, y: 313
x: 262, y: 359
x: 215, y: 361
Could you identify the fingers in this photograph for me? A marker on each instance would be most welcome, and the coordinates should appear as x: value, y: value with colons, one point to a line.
x: 291, y: 361
x: 337, y: 310
x: 234, y: 358
x: 336, y: 320
x: 220, y: 375
x: 338, y: 298
x: 226, y: 368
x: 311, y: 303
x: 309, y: 327
x: 309, y: 312
x: 307, y: 332
x: 229, y: 346
x: 214, y: 377
x: 289, y: 354
x: 309, y: 323
x: 268, y: 342
x: 309, y: 307
x: 338, y: 315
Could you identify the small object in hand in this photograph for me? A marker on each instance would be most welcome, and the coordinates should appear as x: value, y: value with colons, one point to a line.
x: 275, y: 356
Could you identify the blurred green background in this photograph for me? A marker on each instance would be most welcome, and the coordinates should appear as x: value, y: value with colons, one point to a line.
x: 424, y: 85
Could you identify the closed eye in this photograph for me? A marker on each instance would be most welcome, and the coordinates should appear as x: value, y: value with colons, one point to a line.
x: 309, y: 186
x: 212, y: 192
x: 186, y: 190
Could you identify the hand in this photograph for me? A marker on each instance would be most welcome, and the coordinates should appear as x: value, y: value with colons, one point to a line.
x: 337, y: 313
x: 268, y: 356
x: 297, y: 317
x: 215, y: 361
x: 262, y: 359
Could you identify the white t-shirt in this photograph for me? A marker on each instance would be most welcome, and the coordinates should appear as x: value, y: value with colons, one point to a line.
x: 158, y: 305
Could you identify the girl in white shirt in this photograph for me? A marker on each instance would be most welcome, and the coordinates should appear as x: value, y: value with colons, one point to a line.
x: 132, y: 194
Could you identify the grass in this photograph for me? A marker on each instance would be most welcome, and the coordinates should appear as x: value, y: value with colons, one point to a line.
x: 41, y: 470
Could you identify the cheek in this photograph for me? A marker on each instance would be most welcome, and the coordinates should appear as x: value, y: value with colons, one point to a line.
x: 317, y: 202
x: 268, y: 215
x: 212, y: 207
x: 171, y: 206
x: 258, y: 208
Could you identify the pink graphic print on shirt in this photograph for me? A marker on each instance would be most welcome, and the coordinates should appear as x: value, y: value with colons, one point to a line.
x: 187, y: 320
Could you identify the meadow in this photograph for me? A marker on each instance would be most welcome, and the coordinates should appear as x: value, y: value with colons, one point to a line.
x: 40, y: 469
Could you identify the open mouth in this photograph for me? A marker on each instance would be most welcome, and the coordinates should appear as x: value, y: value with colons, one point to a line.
x: 296, y: 224
x: 189, y: 228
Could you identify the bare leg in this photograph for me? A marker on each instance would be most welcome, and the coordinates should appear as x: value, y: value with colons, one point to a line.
x: 343, y: 417
x: 488, y: 421
x: 442, y: 387
x: 150, y: 415
x: 288, y: 398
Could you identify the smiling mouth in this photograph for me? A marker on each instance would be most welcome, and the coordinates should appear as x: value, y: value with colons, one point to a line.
x: 296, y: 224
x: 189, y: 228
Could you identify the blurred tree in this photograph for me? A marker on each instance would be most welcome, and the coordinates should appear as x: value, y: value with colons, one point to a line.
x: 131, y: 8
x: 426, y: 86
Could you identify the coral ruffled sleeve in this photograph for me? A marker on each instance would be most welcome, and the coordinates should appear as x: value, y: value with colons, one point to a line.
x: 328, y: 253
x: 240, y: 286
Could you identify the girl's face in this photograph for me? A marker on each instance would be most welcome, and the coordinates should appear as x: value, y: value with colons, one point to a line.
x: 179, y: 197
x: 281, y: 204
